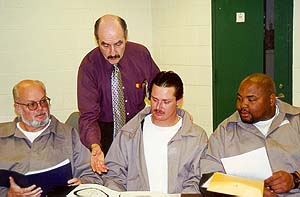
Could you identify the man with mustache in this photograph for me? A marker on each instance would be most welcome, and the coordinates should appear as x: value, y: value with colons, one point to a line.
x: 261, y: 120
x: 94, y: 89
x: 159, y: 149
x: 36, y: 140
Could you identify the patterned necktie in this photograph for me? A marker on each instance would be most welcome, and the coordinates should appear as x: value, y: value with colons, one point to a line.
x: 117, y: 99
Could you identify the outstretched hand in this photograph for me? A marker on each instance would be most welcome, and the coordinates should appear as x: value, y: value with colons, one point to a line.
x: 97, y: 160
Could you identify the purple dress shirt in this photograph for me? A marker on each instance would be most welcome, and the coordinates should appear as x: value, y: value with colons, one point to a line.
x: 94, y: 88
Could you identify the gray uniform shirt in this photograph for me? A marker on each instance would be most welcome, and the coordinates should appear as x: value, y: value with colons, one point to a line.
x: 233, y: 137
x: 126, y: 159
x: 56, y: 144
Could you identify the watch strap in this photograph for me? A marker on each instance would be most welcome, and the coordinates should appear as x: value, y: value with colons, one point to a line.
x: 296, y: 179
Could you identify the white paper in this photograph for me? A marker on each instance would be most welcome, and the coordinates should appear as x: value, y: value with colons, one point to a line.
x: 65, y: 162
x: 252, y: 165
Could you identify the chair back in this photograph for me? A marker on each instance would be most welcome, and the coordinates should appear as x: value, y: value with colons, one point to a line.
x: 73, y: 120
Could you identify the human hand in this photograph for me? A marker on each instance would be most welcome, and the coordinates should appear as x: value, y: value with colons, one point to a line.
x: 15, y: 190
x: 269, y: 193
x: 74, y: 182
x: 97, y: 159
x: 280, y: 182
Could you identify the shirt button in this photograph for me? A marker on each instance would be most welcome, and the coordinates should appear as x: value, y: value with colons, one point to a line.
x: 127, y: 113
x: 125, y: 101
x: 123, y: 87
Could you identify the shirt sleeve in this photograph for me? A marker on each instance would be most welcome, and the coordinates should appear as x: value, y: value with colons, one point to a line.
x: 191, y: 183
x: 89, y: 106
x: 81, y: 157
x: 116, y: 177
x: 212, y: 160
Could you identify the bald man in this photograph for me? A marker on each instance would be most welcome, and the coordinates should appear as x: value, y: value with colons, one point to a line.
x: 261, y: 120
x: 36, y: 140
x: 97, y: 123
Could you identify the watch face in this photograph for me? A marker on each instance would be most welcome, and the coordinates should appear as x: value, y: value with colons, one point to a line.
x: 297, y: 180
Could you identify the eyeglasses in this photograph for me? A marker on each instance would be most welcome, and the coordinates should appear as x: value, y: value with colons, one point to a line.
x: 45, y: 102
x: 90, y: 192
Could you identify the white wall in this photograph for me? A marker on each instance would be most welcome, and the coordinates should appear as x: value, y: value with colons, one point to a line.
x: 47, y: 40
x: 296, y: 56
x: 182, y: 43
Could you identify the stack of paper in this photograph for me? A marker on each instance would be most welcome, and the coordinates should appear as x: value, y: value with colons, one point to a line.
x: 245, y: 174
x: 232, y: 185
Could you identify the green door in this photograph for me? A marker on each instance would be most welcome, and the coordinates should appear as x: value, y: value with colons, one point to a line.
x: 283, y: 46
x: 238, y: 49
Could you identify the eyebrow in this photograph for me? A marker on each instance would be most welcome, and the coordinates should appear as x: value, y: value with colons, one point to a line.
x: 102, y: 43
x: 162, y: 99
x: 248, y: 96
x: 38, y: 100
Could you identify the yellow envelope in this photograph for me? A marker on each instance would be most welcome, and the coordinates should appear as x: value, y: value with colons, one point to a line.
x: 232, y: 185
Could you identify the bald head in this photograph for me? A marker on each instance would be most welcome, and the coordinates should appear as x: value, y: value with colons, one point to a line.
x: 111, y: 35
x: 25, y: 84
x: 256, y: 98
x: 262, y: 80
x: 31, y: 105
x: 110, y: 23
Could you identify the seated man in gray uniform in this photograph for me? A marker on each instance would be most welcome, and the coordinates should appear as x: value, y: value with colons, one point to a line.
x: 36, y: 140
x: 158, y: 150
x: 261, y: 120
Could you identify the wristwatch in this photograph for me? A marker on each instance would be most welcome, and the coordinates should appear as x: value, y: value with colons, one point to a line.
x: 296, y: 179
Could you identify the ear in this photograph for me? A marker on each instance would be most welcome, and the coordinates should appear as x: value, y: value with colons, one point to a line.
x: 272, y: 99
x: 179, y: 103
x: 17, y: 109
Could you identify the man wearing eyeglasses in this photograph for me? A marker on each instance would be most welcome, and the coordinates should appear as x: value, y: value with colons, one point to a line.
x: 36, y: 140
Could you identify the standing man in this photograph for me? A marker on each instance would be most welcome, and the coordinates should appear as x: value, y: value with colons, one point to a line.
x: 261, y: 120
x: 36, y: 140
x: 111, y: 81
x: 159, y: 149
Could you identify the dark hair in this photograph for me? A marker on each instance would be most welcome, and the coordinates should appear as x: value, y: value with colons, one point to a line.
x: 121, y: 21
x: 169, y: 79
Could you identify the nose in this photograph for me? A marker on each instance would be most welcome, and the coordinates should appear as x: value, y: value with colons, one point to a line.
x: 244, y: 103
x: 112, y: 51
x: 158, y: 106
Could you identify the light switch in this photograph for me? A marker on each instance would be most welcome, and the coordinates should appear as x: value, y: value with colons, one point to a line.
x: 240, y: 17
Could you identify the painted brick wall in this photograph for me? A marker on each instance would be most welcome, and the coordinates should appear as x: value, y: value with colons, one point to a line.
x: 182, y: 43
x: 47, y: 40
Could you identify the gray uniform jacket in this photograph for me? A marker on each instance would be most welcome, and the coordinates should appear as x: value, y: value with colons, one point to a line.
x: 56, y: 144
x: 126, y: 159
x: 282, y: 142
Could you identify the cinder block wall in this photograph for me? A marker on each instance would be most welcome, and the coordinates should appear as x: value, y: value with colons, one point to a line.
x: 182, y: 43
x: 46, y: 40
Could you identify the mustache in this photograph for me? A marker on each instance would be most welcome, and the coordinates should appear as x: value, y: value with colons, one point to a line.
x: 41, y: 113
x: 113, y: 57
x: 243, y: 110
x: 159, y: 111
